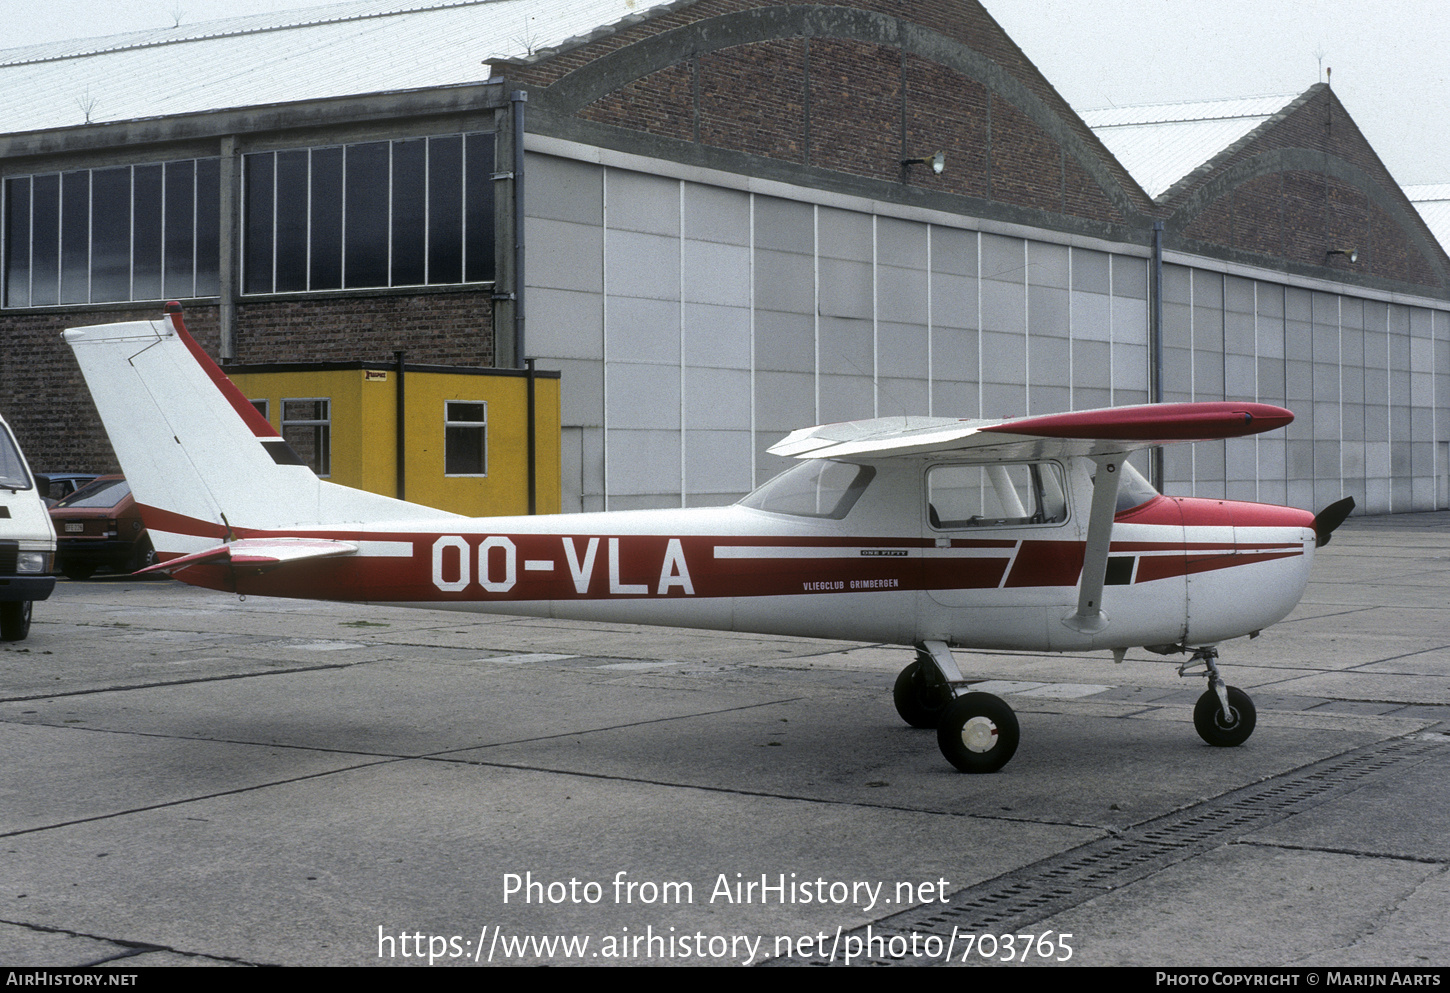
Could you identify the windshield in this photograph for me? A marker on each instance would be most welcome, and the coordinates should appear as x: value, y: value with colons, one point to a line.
x: 815, y: 488
x: 101, y: 493
x: 12, y: 467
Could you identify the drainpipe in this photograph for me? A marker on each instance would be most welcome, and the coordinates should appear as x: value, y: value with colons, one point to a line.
x: 1155, y: 342
x: 400, y: 446
x: 518, y: 99
x: 533, y: 461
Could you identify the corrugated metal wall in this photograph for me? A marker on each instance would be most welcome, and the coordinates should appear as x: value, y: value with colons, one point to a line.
x: 696, y: 325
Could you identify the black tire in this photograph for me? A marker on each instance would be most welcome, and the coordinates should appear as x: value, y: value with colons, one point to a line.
x: 978, y: 733
x: 919, y: 699
x: 1212, y: 727
x: 143, y: 556
x: 15, y: 620
x: 78, y: 570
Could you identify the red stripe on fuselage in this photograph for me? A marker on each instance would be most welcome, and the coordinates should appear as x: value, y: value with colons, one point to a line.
x: 531, y: 567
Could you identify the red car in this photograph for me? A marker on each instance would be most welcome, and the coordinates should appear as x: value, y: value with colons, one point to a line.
x: 98, y: 526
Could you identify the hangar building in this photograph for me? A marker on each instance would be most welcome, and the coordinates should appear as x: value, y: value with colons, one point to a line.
x: 718, y: 221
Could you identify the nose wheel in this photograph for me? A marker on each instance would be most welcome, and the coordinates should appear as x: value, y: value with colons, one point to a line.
x: 1224, y: 728
x: 1224, y: 716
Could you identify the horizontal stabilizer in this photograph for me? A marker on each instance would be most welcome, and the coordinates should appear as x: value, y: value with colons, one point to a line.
x: 1111, y: 430
x: 259, y: 552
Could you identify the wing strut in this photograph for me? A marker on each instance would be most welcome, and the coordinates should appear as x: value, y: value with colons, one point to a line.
x: 1090, y: 618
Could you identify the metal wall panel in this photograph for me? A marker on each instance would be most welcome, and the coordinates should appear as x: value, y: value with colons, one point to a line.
x: 696, y: 326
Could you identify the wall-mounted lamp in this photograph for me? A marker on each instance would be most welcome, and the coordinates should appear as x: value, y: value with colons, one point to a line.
x: 1350, y: 253
x: 938, y: 162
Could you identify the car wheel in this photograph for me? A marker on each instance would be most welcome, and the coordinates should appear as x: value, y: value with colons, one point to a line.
x: 15, y: 620
x: 144, y: 555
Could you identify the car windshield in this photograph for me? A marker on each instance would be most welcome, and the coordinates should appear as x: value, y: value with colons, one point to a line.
x: 815, y: 488
x: 12, y: 467
x: 101, y: 493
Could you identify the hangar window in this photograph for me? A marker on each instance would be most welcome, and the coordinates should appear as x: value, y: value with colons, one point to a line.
x: 465, y: 438
x: 139, y: 232
x: 410, y: 212
x: 307, y: 427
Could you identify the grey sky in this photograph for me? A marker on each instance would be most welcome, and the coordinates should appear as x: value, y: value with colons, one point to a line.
x: 1388, y: 58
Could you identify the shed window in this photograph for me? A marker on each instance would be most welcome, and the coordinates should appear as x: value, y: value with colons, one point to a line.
x: 465, y: 430
x: 307, y: 427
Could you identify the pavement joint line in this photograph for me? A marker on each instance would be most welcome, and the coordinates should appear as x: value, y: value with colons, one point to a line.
x: 184, y: 682
x: 133, y: 948
x: 191, y: 799
x: 611, y: 727
x: 1396, y: 658
x: 765, y: 794
x: 450, y: 756
x: 1016, y: 900
x: 396, y: 756
x: 218, y: 741
x: 1320, y: 617
x: 1391, y: 856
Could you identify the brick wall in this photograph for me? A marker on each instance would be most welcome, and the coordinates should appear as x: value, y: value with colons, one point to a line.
x: 753, y: 99
x: 1299, y: 214
x: 433, y: 328
x: 854, y: 106
x: 45, y: 399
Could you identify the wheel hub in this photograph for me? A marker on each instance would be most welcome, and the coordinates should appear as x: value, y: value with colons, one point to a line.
x: 979, y: 735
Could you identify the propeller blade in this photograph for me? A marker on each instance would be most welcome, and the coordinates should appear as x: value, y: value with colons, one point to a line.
x: 1330, y: 518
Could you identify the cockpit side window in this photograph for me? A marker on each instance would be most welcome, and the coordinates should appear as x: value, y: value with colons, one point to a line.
x: 815, y: 488
x: 997, y: 495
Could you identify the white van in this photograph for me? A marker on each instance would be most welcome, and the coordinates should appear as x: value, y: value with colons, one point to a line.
x: 27, y: 541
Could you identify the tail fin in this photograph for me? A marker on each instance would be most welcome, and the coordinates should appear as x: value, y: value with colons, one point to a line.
x: 201, y: 460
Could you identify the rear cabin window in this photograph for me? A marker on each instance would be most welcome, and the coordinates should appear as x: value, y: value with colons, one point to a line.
x: 815, y: 488
x: 1133, y: 489
x: 998, y: 495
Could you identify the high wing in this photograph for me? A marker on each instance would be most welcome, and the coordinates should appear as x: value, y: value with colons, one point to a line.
x: 1091, y: 433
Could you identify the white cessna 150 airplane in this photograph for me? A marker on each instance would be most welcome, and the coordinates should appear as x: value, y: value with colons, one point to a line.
x: 1030, y: 534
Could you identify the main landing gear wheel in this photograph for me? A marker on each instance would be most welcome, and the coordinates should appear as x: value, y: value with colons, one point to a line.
x: 1222, y: 730
x: 920, y: 699
x: 978, y: 733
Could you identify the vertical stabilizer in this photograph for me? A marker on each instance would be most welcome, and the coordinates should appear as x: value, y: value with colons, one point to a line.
x: 202, y: 461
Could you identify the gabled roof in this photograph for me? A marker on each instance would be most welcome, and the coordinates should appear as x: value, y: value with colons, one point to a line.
x: 1433, y: 203
x: 339, y: 49
x: 1161, y: 144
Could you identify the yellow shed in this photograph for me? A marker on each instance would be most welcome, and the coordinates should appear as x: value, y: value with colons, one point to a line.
x: 462, y: 442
